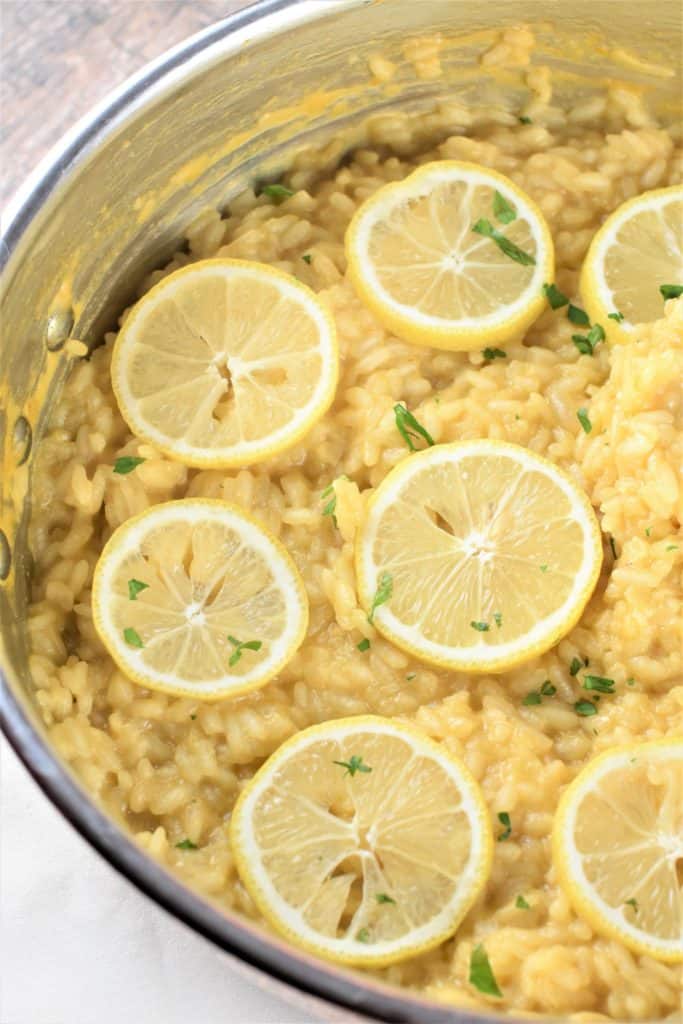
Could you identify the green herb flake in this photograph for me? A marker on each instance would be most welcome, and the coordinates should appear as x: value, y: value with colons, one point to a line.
x: 616, y: 315
x: 543, y: 568
x: 586, y: 342
x: 411, y: 676
x: 578, y: 316
x: 670, y: 291
x: 585, y: 709
x: 490, y: 354
x: 631, y: 681
x: 547, y: 689
x: 132, y: 637
x: 382, y: 897
x: 522, y: 904
x: 409, y: 428
x: 364, y: 645
x: 502, y: 209
x: 584, y: 420
x: 277, y: 192
x: 135, y: 587
x: 598, y: 683
x: 485, y: 227
x: 648, y: 531
x: 307, y: 258
x: 385, y: 589
x: 504, y: 819
x: 481, y: 627
x: 481, y: 975
x: 363, y: 935
x: 574, y: 667
x: 671, y: 547
x: 193, y: 717
x: 533, y: 697
x: 240, y: 647
x: 186, y: 844
x: 612, y: 546
x: 125, y: 464
x: 632, y: 903
x: 353, y: 765
x: 525, y: 120
x: 555, y: 297
x: 498, y: 619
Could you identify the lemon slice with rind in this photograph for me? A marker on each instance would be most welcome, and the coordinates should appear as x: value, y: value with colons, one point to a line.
x: 194, y: 598
x: 363, y: 841
x: 225, y: 362
x: 618, y: 846
x: 454, y: 256
x: 638, y: 250
x: 477, y: 555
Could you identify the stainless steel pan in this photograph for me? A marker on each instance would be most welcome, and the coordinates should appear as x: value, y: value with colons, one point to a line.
x: 111, y: 201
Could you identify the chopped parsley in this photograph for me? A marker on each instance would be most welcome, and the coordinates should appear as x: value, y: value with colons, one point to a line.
x: 547, y: 689
x: 385, y: 589
x: 277, y: 192
x: 543, y: 568
x: 585, y: 708
x: 485, y: 227
x: 504, y: 819
x: 612, y: 546
x: 616, y: 315
x: 382, y: 897
x: 498, y: 619
x: 186, y: 844
x: 525, y: 120
x: 631, y: 682
x: 671, y: 547
x: 632, y: 903
x: 330, y: 507
x: 555, y: 297
x: 532, y: 697
x: 132, y: 637
x: 240, y: 647
x: 411, y: 676
x: 307, y: 258
x: 490, y: 354
x: 134, y: 588
x: 578, y: 316
x: 409, y: 428
x: 481, y: 974
x: 363, y: 935
x: 353, y: 765
x: 502, y: 209
x: 599, y: 683
x: 193, y: 717
x: 364, y: 645
x: 586, y: 342
x: 648, y: 531
x: 574, y: 667
x: 522, y: 904
x: 481, y: 627
x: 670, y: 291
x: 584, y: 420
x: 127, y: 463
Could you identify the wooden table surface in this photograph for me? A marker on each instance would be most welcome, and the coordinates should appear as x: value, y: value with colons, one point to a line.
x: 59, y: 57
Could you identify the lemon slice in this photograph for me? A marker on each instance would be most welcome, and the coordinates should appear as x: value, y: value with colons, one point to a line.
x: 638, y: 249
x: 618, y: 846
x: 225, y: 362
x: 195, y: 598
x: 363, y: 841
x: 415, y: 259
x: 477, y: 555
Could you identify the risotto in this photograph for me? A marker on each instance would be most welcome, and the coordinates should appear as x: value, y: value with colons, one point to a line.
x: 170, y: 769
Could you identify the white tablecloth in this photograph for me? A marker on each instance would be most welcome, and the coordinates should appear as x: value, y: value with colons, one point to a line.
x: 80, y: 945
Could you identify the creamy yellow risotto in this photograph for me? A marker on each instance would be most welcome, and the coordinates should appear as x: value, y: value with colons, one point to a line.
x: 171, y: 768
